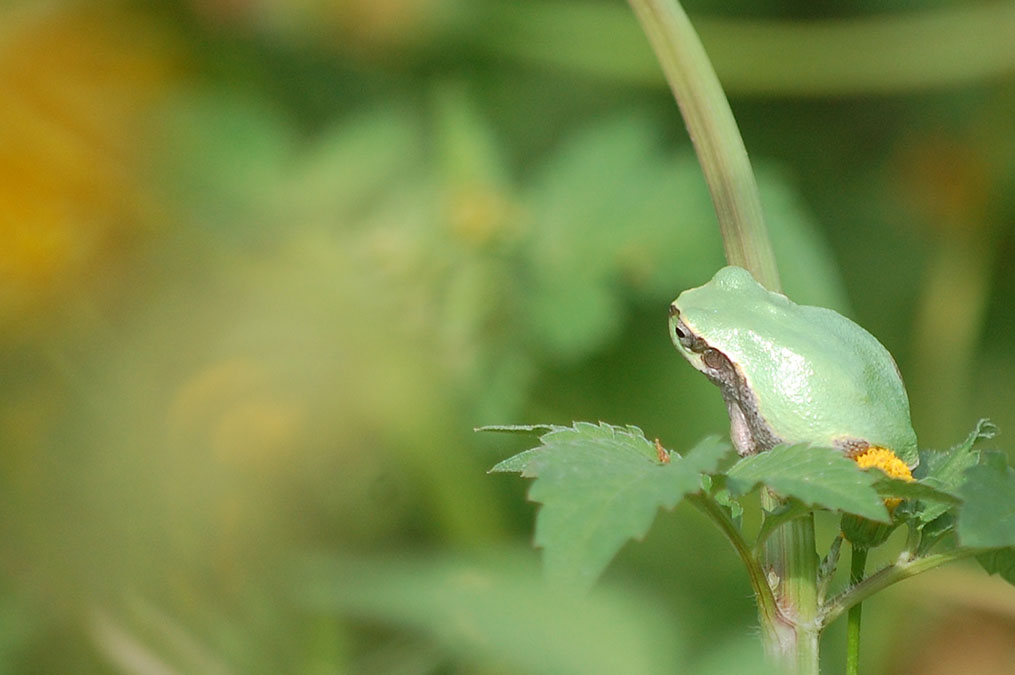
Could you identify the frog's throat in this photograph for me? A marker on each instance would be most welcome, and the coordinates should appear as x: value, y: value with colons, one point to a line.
x: 748, y: 431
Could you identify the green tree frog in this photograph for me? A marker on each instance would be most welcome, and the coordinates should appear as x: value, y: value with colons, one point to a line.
x: 792, y: 373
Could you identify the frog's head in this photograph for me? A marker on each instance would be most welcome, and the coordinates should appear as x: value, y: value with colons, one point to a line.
x: 702, y: 318
x: 710, y: 361
x: 747, y: 429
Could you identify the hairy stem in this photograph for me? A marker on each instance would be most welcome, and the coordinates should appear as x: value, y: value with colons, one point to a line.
x: 904, y: 569
x: 768, y: 610
x: 791, y: 560
x: 786, y: 584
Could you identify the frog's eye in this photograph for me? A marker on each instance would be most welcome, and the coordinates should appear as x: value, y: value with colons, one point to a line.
x: 713, y: 359
x: 686, y: 338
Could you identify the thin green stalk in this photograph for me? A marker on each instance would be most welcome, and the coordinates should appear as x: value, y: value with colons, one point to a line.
x: 857, y: 566
x: 904, y: 569
x: 772, y: 621
x: 914, y: 539
x: 786, y: 585
x: 715, y: 136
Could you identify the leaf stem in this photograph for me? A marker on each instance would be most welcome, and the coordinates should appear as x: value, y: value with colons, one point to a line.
x: 903, y: 569
x: 857, y: 565
x: 768, y: 609
x: 715, y: 136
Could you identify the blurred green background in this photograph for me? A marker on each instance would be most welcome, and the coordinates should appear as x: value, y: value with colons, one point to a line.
x: 265, y: 264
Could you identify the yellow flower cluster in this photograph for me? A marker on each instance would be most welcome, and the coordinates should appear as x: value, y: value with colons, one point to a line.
x: 886, y: 460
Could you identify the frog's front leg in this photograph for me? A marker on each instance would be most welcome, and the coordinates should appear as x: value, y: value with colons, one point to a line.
x: 740, y: 430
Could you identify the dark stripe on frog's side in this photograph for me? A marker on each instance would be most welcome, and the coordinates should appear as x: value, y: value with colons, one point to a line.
x: 748, y: 431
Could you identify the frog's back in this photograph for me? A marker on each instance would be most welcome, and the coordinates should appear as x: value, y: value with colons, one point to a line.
x: 841, y: 382
x: 817, y: 376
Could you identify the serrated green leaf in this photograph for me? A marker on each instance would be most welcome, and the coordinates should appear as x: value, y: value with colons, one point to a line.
x: 947, y: 467
x: 987, y: 518
x: 715, y: 485
x: 935, y: 531
x: 706, y: 456
x: 983, y: 431
x: 1000, y: 562
x: 939, y: 527
x: 946, y: 470
x: 895, y: 487
x: 519, y: 463
x: 601, y: 485
x: 519, y: 428
x: 814, y: 475
x: 923, y: 500
x: 828, y: 565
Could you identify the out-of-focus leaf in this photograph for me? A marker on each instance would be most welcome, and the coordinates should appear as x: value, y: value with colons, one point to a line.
x: 612, y: 210
x: 817, y: 476
x: 352, y: 165
x: 19, y: 626
x: 468, y: 151
x: 498, y: 615
x: 738, y: 655
x: 226, y: 155
x: 808, y: 270
x: 609, y: 207
x: 987, y: 518
x: 601, y: 485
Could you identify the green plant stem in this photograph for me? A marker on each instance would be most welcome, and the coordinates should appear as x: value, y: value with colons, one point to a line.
x: 771, y: 618
x: 914, y: 537
x: 857, y: 566
x: 715, y: 136
x: 786, y: 583
x: 791, y: 560
x: 774, y: 520
x: 904, y: 569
